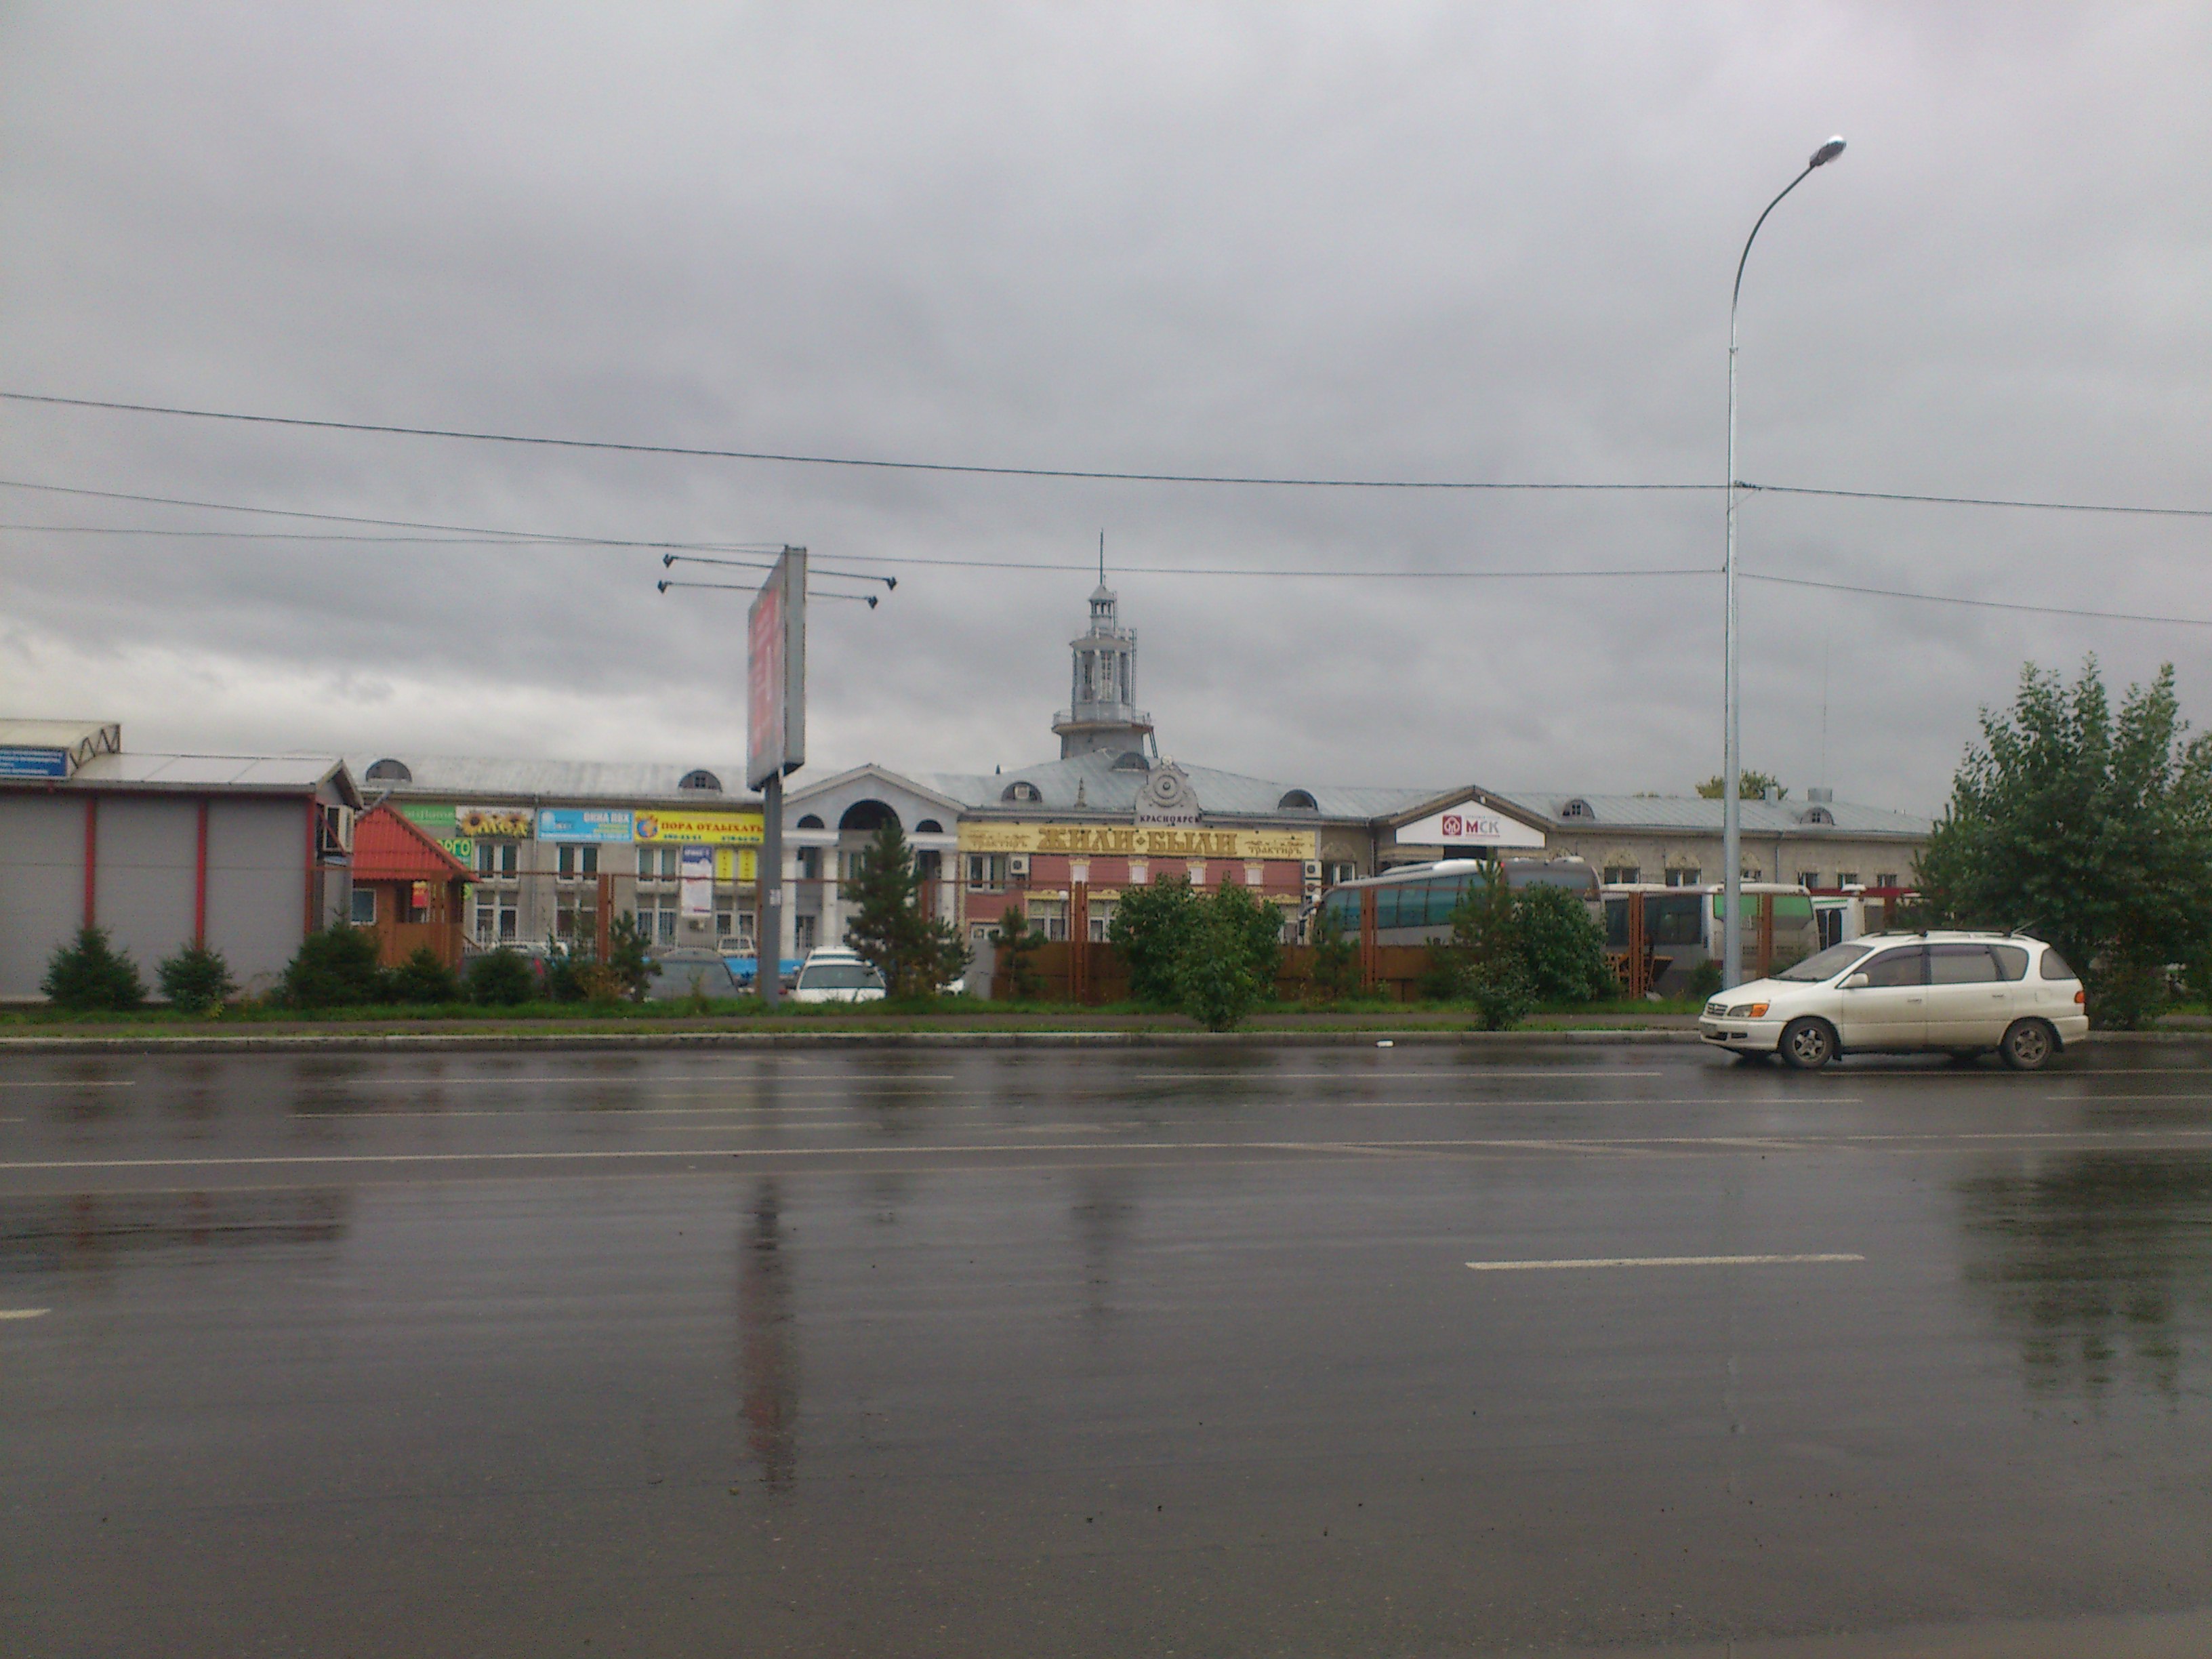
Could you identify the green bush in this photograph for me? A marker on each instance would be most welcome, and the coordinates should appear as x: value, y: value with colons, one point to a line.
x: 195, y: 979
x: 1562, y: 947
x: 2129, y: 998
x: 1226, y: 966
x: 336, y: 968
x: 1704, y: 982
x: 422, y: 978
x: 90, y: 974
x: 1335, y: 958
x: 1018, y: 942
x: 1486, y: 938
x: 1151, y: 930
x: 628, y: 967
x: 501, y: 978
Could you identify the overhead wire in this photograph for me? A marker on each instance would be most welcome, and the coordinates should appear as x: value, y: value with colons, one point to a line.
x: 1099, y: 474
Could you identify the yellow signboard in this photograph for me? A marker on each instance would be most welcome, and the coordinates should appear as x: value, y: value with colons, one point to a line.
x: 733, y: 866
x: 1126, y: 841
x: 689, y: 829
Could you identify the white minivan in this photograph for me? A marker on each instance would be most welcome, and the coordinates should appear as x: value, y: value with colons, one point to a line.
x: 1965, y: 992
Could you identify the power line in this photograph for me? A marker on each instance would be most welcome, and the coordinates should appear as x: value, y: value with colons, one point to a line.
x: 1083, y: 473
x: 976, y: 470
x: 1978, y: 605
x: 1974, y: 501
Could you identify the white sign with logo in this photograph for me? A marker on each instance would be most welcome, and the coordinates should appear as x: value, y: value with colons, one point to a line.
x: 696, y: 887
x: 1472, y: 824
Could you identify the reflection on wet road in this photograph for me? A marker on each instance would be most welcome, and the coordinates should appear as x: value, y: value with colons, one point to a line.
x: 1047, y: 1351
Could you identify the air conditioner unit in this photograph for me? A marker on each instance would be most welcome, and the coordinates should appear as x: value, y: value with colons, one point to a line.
x: 1018, y: 864
x: 1313, y: 869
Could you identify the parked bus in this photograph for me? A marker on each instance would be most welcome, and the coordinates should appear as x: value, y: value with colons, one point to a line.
x: 1682, y: 928
x: 1414, y: 903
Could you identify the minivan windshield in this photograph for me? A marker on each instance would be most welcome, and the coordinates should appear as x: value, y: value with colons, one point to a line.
x: 1825, y: 965
x: 838, y: 976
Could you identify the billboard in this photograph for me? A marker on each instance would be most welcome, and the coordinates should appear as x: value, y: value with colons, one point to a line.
x: 493, y: 822
x: 1111, y: 839
x: 696, y: 828
x: 583, y: 823
x: 775, y: 672
x: 33, y: 763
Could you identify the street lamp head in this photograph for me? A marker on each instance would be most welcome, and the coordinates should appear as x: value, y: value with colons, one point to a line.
x: 1825, y: 154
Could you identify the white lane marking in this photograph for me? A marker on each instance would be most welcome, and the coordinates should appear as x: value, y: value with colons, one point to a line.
x: 473, y: 1081
x: 1439, y: 1073
x: 24, y: 1313
x: 615, y: 1114
x: 1661, y: 1262
x: 73, y: 1082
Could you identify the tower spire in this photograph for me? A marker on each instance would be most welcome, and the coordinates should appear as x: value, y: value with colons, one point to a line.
x: 1101, y: 558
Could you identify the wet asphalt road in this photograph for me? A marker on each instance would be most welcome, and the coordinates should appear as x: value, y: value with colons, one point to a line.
x: 1045, y: 1352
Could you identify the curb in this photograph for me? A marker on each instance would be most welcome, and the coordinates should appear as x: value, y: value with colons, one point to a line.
x: 460, y: 1042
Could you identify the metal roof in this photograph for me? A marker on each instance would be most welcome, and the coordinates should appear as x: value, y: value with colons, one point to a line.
x: 477, y: 777
x: 269, y: 774
x: 1759, y: 818
x: 388, y: 847
x: 1107, y: 789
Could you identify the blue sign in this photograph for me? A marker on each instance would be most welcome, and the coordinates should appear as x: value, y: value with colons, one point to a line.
x: 33, y: 763
x: 583, y: 823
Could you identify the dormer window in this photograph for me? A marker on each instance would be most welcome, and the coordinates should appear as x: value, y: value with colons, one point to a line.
x: 1577, y: 808
x: 701, y: 779
x: 1817, y: 815
x: 388, y: 771
x: 1021, y: 790
x: 1297, y: 800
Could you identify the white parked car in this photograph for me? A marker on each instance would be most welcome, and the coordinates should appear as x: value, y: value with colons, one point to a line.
x: 836, y: 975
x: 1961, y: 992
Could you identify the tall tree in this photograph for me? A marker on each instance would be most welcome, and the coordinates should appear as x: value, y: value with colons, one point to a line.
x: 915, y: 953
x: 1018, y: 942
x: 2090, y: 831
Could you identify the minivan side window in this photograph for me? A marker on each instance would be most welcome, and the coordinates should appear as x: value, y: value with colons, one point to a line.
x: 1898, y: 967
x: 1960, y: 964
x: 2012, y: 961
x: 2054, y: 966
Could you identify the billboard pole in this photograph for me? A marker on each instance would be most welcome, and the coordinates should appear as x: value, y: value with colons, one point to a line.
x: 775, y: 743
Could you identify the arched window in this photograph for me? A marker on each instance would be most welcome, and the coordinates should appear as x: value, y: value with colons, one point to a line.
x: 929, y: 827
x: 701, y: 779
x: 388, y: 771
x: 868, y: 816
x: 1818, y: 815
x: 1297, y: 800
x: 1577, y: 808
x: 812, y: 821
x: 1021, y: 789
x: 1132, y: 760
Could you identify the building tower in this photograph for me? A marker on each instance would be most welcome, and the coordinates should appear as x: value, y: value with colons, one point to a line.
x: 1103, y: 712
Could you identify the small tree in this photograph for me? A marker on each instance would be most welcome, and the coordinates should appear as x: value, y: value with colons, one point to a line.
x: 1335, y: 958
x: 629, y: 965
x: 195, y: 979
x: 334, y: 968
x: 1562, y: 947
x: 501, y: 978
x: 423, y: 978
x: 89, y: 974
x: 1486, y: 938
x: 915, y: 953
x: 1750, y: 785
x: 2090, y: 831
x: 1018, y: 942
x: 1151, y: 930
x: 1226, y: 965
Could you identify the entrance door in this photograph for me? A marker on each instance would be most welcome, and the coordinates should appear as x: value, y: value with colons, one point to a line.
x: 1890, y: 1010
x: 1968, y: 1004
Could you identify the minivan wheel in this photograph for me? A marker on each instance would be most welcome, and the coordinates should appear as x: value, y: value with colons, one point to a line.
x: 1808, y: 1044
x: 2028, y: 1045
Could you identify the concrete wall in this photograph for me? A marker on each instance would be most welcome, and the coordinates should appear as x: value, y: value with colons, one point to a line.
x: 41, y: 884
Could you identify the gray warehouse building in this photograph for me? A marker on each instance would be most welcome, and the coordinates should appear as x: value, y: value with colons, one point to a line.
x: 247, y: 853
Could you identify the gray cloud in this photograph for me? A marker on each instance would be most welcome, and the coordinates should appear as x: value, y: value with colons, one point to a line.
x: 1414, y: 242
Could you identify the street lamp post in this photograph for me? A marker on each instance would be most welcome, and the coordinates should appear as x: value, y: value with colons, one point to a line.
x: 1732, y: 769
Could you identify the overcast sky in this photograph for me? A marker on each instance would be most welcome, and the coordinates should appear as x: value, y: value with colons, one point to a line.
x: 1409, y: 241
